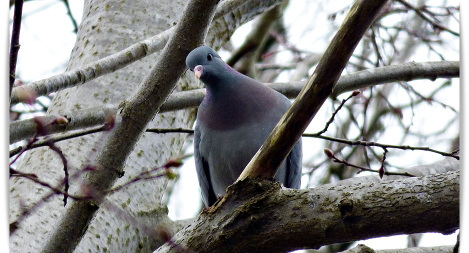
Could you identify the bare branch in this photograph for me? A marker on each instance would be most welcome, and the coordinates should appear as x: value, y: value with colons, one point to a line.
x: 375, y: 144
x: 69, y: 13
x: 407, y: 71
x: 424, y: 17
x: 331, y: 119
x: 23, y: 129
x: 56, y: 190
x: 44, y: 142
x: 331, y: 155
x: 15, y: 40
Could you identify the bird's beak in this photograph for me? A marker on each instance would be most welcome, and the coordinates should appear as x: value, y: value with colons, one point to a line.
x: 198, y: 71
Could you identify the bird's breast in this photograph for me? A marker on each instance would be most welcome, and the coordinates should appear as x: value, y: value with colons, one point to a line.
x: 230, y: 113
x: 229, y: 151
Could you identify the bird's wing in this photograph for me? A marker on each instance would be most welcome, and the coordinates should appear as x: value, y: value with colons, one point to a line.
x: 294, y: 166
x: 203, y: 172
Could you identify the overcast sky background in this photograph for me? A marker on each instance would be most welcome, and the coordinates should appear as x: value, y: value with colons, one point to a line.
x: 47, y: 39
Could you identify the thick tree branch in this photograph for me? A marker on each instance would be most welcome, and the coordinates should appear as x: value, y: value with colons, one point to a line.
x: 20, y: 130
x: 131, y: 54
x: 402, y: 72
x: 131, y: 122
x: 256, y: 37
x: 23, y: 129
x: 318, y: 88
x: 260, y: 216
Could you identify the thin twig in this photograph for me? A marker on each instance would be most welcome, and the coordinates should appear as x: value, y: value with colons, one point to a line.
x: 174, y: 163
x: 375, y: 144
x: 41, y: 130
x: 56, y: 190
x: 332, y: 156
x: 379, y: 58
x: 69, y: 13
x: 428, y: 99
x: 45, y: 141
x: 57, y: 150
x: 329, y: 122
x: 424, y: 17
x: 382, y: 169
x: 20, y: 150
x: 15, y: 40
x: 169, y: 130
x: 146, y: 175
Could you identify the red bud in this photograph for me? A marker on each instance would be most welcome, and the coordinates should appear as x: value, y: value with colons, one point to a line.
x: 329, y: 153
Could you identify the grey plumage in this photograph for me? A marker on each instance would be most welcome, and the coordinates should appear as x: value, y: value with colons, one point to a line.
x: 233, y: 121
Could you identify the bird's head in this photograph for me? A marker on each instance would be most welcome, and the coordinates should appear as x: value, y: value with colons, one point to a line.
x: 206, y: 64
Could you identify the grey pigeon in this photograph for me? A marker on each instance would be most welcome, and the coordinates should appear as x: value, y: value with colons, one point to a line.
x: 233, y: 121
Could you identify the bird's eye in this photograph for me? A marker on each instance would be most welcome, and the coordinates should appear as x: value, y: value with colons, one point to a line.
x: 209, y: 57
